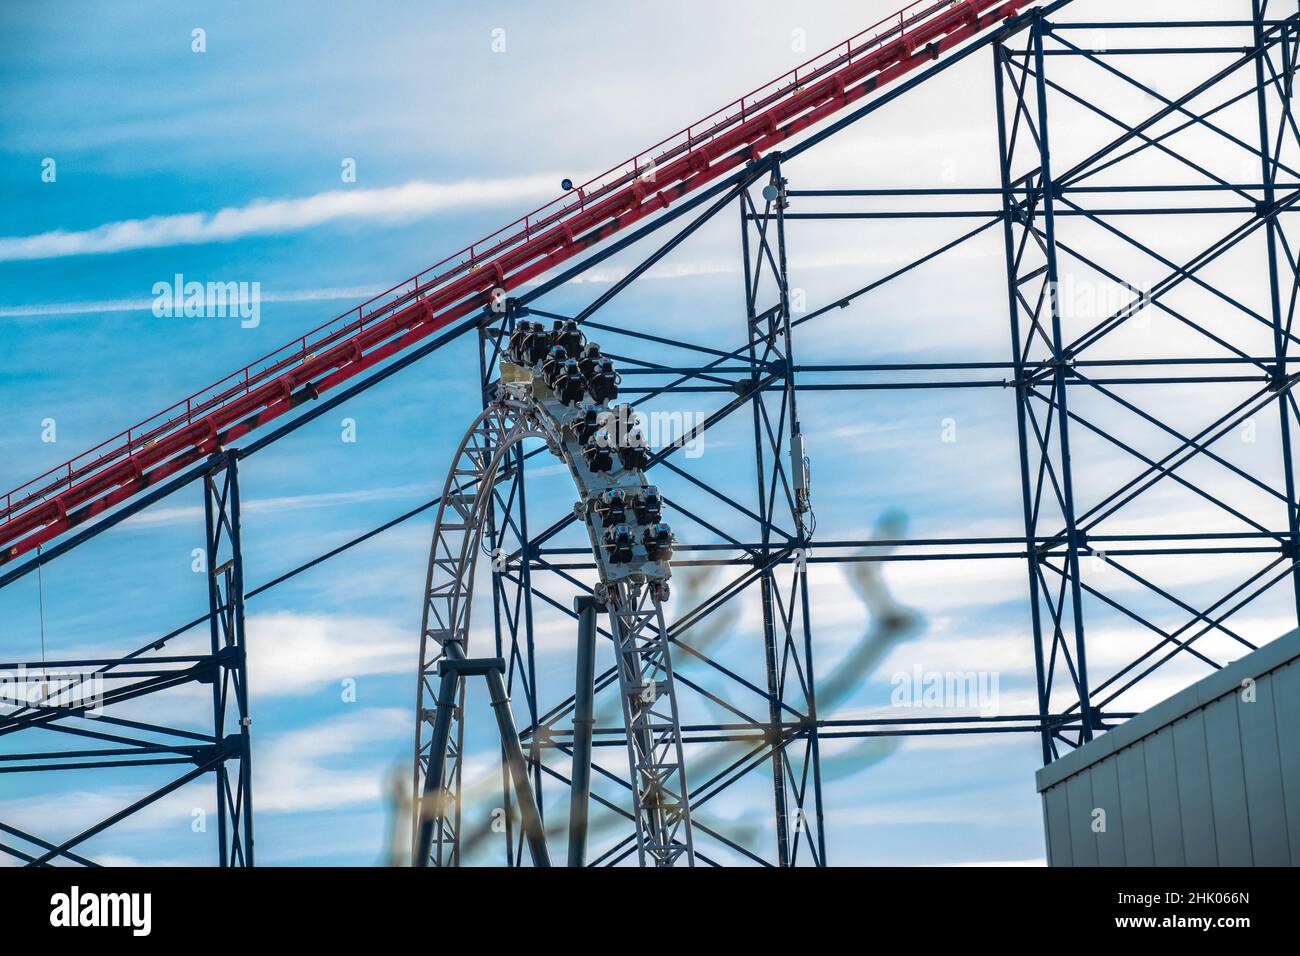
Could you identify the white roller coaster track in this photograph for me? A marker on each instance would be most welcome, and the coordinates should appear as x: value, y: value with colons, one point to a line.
x: 631, y: 591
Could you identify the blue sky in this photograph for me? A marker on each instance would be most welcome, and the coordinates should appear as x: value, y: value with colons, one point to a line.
x: 225, y: 165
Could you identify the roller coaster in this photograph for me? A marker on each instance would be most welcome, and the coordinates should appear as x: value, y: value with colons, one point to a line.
x: 554, y: 386
x: 545, y: 378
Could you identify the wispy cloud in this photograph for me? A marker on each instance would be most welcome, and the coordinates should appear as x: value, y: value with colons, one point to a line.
x: 338, y: 762
x: 279, y: 505
x: 300, y: 653
x: 144, y: 305
x: 268, y: 216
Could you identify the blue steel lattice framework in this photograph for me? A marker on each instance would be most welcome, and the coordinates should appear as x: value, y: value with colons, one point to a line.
x: 80, y: 697
x: 1054, y: 364
x: 1059, y: 375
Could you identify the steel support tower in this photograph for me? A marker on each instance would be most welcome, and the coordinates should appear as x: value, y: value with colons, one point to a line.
x: 1061, y: 207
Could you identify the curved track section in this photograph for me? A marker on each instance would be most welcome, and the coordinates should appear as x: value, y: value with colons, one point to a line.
x: 565, y: 402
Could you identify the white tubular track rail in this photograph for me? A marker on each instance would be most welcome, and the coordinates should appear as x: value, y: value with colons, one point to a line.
x: 632, y: 588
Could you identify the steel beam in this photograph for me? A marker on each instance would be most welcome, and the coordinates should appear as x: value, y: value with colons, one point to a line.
x: 584, y: 700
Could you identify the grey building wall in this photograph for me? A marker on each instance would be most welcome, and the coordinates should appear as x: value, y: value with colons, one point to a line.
x: 1206, y: 778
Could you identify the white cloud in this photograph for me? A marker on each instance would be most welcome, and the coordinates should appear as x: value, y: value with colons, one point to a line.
x: 292, y: 653
x: 268, y: 216
x: 283, y: 503
x: 141, y: 305
x: 292, y: 771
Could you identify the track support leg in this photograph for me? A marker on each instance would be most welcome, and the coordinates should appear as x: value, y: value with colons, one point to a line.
x: 430, y: 810
x: 452, y: 671
x: 534, y: 832
x: 225, y: 574
x: 584, y: 697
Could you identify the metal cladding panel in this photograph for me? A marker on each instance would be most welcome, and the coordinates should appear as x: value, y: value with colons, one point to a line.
x: 1083, y: 845
x: 1105, y: 793
x: 1056, y: 816
x: 1262, y: 759
x: 1162, y: 785
x: 1209, y: 777
x: 1231, y: 819
x: 1286, y: 705
x: 1192, y: 766
x: 1135, y: 809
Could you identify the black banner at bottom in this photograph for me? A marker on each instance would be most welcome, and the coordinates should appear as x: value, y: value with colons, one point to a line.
x: 333, y: 905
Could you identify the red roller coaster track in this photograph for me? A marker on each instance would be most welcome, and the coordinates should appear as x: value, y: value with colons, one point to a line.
x: 466, y: 281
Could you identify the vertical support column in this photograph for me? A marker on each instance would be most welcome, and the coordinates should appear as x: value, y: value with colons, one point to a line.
x: 779, y: 469
x: 1043, y: 375
x: 814, y: 734
x: 1011, y: 212
x: 434, y: 795
x: 229, y: 675
x: 1269, y: 169
x: 491, y: 341
x: 584, y: 704
x: 1060, y: 362
x: 648, y: 691
x: 512, y: 593
x: 766, y: 584
x: 800, y: 512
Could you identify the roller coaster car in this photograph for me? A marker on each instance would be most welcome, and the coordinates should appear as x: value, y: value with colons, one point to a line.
x: 538, y: 343
x: 620, y: 420
x: 555, y: 360
x: 612, y: 507
x: 658, y: 540
x: 589, y: 360
x: 598, y: 453
x: 587, y: 424
x: 569, y: 385
x: 568, y: 336
x: 603, y: 383
x: 517, y: 348
x: 634, y: 451
x: 649, y: 506
x: 618, y: 543
x: 527, y: 344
